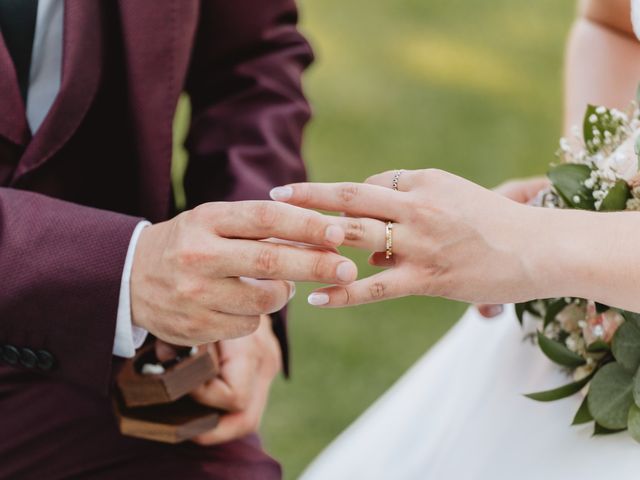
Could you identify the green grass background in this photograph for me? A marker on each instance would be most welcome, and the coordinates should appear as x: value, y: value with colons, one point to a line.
x: 473, y: 87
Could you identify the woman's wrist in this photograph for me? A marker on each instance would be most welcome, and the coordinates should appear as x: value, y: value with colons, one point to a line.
x: 586, y: 255
x: 556, y: 252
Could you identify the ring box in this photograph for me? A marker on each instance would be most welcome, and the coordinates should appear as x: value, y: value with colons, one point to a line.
x: 156, y: 406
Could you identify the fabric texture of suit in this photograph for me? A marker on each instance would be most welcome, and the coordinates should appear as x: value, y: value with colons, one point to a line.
x: 71, y: 196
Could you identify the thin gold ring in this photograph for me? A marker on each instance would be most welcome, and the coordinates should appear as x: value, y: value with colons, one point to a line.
x: 388, y: 233
x: 396, y: 178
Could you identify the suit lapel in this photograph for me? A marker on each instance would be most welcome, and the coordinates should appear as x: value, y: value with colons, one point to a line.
x: 81, y: 72
x: 158, y: 36
x: 13, y: 119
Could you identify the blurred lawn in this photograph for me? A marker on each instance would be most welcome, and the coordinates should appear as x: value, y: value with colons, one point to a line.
x: 473, y: 87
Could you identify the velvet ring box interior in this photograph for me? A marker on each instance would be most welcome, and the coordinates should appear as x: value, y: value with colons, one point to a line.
x: 151, y: 400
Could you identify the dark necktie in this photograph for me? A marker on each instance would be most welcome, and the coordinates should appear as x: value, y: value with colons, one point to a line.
x: 18, y: 26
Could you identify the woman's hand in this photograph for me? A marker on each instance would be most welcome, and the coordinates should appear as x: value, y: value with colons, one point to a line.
x: 451, y: 238
x: 521, y: 191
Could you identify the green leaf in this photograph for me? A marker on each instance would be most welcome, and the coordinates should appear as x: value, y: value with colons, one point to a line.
x: 587, y: 125
x: 559, y: 353
x: 601, y: 307
x: 604, y: 122
x: 553, y: 309
x: 583, y: 415
x: 626, y: 346
x: 633, y: 422
x: 631, y: 317
x: 568, y: 179
x: 600, y: 430
x: 598, y: 346
x: 560, y: 392
x: 611, y: 395
x: 616, y: 199
x: 636, y: 388
x: 520, y: 309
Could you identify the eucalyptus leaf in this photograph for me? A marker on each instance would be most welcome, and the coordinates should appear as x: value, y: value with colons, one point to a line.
x: 636, y: 388
x: 568, y: 179
x: 633, y: 422
x: 583, y: 415
x: 611, y: 395
x: 631, y: 317
x: 598, y: 346
x: 587, y: 125
x: 602, y: 122
x: 553, y: 309
x: 626, y: 346
x: 616, y: 199
x: 600, y: 430
x: 520, y: 309
x: 560, y: 392
x: 559, y: 353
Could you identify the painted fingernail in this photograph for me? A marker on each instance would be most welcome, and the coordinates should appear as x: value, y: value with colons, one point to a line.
x: 334, y: 235
x: 281, y: 194
x: 490, y: 311
x: 318, y: 299
x: 346, y: 272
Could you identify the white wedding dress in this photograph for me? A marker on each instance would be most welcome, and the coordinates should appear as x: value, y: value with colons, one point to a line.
x: 459, y: 413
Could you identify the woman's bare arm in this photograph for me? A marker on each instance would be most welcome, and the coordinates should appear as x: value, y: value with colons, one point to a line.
x: 603, y: 59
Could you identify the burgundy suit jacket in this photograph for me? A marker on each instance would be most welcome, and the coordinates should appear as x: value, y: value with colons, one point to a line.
x: 71, y: 196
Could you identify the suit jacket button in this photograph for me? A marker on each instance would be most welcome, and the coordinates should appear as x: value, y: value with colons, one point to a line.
x: 28, y: 358
x: 10, y: 354
x: 45, y: 360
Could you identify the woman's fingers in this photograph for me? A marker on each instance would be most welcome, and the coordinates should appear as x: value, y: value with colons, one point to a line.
x: 490, y: 310
x: 404, y: 179
x: 363, y: 233
x: 523, y: 191
x: 357, y: 199
x: 381, y: 286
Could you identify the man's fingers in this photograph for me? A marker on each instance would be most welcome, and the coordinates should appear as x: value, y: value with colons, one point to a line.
x: 381, y: 286
x: 352, y: 198
x: 248, y: 296
x: 261, y: 219
x: 239, y: 424
x: 214, y: 326
x: 253, y: 259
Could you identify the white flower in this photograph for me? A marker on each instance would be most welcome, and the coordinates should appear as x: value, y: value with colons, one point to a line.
x: 593, y: 118
x: 600, y: 110
x: 623, y: 161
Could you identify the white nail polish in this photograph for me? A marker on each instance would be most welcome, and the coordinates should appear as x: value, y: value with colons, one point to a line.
x: 293, y: 291
x: 281, y: 194
x: 318, y: 299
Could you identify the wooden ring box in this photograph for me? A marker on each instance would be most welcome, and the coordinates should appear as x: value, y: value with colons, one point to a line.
x: 156, y: 406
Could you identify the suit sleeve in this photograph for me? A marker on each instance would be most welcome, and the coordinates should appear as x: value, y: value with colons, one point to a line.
x: 248, y: 108
x: 60, y: 269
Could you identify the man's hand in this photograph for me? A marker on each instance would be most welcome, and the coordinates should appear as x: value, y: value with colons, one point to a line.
x: 192, y: 280
x: 247, y: 368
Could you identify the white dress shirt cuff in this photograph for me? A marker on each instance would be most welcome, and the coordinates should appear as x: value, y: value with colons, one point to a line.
x: 128, y: 337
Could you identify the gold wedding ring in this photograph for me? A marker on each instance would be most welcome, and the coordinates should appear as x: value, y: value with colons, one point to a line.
x: 389, y: 239
x: 396, y: 178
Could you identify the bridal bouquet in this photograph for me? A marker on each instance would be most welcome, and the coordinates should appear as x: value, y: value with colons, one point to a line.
x: 599, y: 345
